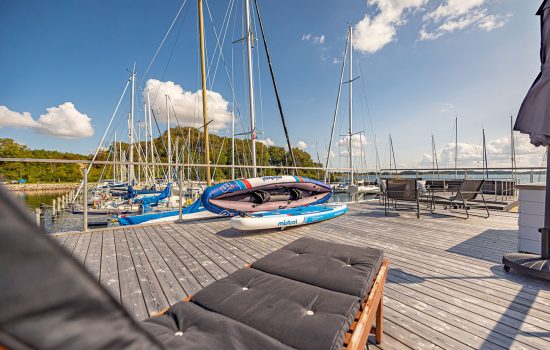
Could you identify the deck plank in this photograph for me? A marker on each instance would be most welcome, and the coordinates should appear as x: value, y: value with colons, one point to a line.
x: 167, y: 281
x: 186, y: 279
x: 446, y: 287
x: 130, y: 289
x: 109, y: 268
x: 155, y: 300
x: 93, y: 257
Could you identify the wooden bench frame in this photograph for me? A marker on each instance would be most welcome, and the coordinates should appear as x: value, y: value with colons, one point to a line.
x: 372, y: 309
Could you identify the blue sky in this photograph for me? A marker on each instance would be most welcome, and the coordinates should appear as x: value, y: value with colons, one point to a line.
x: 423, y: 63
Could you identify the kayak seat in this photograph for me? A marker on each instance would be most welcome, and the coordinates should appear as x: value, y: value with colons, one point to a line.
x: 260, y: 196
x: 295, y: 194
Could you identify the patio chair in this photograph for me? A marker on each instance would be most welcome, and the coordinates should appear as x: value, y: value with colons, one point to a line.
x: 464, y: 198
x: 308, y: 295
x: 399, y: 191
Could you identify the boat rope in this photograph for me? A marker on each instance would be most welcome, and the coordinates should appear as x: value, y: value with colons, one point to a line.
x: 327, y: 177
x: 162, y: 42
x: 103, y: 138
x: 279, y: 105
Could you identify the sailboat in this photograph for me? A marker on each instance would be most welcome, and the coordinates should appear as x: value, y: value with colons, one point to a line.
x: 353, y: 188
x: 195, y: 210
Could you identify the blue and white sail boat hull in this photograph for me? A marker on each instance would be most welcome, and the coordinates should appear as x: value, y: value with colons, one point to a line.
x: 287, y: 217
x: 193, y: 212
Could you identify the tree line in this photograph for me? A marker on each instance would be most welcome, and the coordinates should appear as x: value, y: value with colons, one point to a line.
x: 188, y: 147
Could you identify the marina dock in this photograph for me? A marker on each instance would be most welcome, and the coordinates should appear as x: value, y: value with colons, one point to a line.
x: 446, y: 287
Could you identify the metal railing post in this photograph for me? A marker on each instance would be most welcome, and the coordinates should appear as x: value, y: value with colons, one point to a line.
x: 180, y: 185
x: 85, y: 201
x: 37, y: 216
x: 531, y: 176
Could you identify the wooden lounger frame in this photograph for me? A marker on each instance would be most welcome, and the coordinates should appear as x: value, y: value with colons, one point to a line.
x: 372, y: 309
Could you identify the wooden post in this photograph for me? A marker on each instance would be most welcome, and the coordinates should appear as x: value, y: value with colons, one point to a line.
x: 380, y: 320
x: 37, y: 215
x: 54, y: 207
x: 59, y: 201
x: 85, y: 201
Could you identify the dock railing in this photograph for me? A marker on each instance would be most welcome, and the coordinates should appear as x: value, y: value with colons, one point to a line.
x: 501, y: 181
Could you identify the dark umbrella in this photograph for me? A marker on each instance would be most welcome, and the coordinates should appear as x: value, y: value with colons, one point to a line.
x: 534, y: 119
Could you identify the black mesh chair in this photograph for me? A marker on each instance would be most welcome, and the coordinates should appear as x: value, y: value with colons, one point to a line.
x: 401, y: 191
x: 464, y: 198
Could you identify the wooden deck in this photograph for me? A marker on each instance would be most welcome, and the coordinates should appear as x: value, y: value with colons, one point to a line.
x: 446, y: 287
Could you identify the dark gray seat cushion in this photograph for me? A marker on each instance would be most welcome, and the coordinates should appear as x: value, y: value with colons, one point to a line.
x: 187, y: 326
x: 295, y: 313
x: 48, y: 300
x: 338, y: 267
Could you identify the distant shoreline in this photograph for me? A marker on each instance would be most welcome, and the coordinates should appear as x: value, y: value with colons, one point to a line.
x: 26, y: 187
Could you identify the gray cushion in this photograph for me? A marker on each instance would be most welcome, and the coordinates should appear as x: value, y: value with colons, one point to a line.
x: 187, y: 326
x: 295, y: 313
x: 338, y: 267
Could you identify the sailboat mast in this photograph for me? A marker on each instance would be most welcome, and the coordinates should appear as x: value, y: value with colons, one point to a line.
x: 485, y: 163
x: 456, y: 147
x: 434, y: 152
x: 169, y: 142
x: 204, y: 109
x: 114, y: 161
x: 350, y: 103
x: 146, y: 129
x: 512, y: 147
x: 251, y: 87
x: 131, y: 130
x: 392, y: 156
x: 154, y: 176
x: 233, y: 143
x: 327, y: 175
x: 139, y: 150
x: 433, y: 156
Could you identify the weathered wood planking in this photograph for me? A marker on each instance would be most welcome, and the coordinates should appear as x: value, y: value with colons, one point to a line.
x: 446, y: 287
x: 186, y: 279
x: 167, y: 281
x: 155, y: 300
x: 130, y: 289
x: 109, y: 267
x: 93, y: 257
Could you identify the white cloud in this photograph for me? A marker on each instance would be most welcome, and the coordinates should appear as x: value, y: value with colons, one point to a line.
x: 266, y: 142
x: 372, y: 33
x: 453, y: 15
x: 441, y: 17
x: 498, y: 154
x: 187, y: 105
x: 447, y: 108
x: 63, y: 121
x: 315, y: 39
x: 301, y: 145
x: 336, y: 60
x: 357, y: 143
x: 16, y: 120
